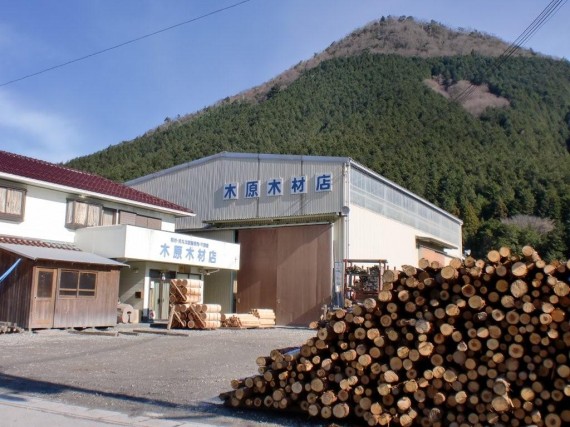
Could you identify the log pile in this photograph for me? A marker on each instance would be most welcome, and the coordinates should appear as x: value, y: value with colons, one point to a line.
x: 186, y: 311
x: 474, y: 343
x: 9, y: 328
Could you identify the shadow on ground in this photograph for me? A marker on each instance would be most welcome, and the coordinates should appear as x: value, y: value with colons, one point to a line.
x: 207, y: 412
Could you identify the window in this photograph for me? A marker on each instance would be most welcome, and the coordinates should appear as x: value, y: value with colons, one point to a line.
x: 73, y: 283
x: 148, y: 222
x: 131, y: 218
x: 45, y: 283
x: 12, y: 201
x: 109, y: 217
x: 82, y: 214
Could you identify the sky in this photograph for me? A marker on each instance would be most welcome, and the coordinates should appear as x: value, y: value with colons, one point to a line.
x: 226, y: 47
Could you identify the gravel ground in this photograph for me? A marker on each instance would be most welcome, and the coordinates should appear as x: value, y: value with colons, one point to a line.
x: 171, y: 377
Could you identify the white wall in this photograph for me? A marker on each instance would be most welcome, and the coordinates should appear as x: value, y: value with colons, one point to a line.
x: 376, y: 237
x: 44, y: 216
x: 133, y: 280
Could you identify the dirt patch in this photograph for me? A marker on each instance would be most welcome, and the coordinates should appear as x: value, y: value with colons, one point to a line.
x: 474, y: 98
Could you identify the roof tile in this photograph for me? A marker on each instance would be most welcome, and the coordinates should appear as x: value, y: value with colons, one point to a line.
x: 41, y: 170
x: 14, y: 240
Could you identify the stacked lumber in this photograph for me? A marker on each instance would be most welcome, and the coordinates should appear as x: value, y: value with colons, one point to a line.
x: 240, y: 321
x: 185, y: 291
x: 210, y: 314
x: 266, y: 317
x: 475, y: 343
x: 186, y: 311
x: 9, y: 328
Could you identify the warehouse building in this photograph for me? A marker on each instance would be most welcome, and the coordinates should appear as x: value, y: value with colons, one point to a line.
x: 300, y: 221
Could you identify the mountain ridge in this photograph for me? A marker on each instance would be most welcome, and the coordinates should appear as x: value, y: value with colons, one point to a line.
x: 399, y: 115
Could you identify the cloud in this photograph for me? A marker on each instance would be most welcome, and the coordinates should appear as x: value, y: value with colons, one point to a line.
x: 33, y: 132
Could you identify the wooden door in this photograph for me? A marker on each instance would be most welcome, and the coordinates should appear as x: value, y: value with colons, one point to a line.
x: 163, y: 301
x: 256, y: 277
x: 43, y: 298
x: 288, y: 269
x: 304, y: 273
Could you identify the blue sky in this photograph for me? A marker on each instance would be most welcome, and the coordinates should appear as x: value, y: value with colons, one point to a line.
x: 116, y: 96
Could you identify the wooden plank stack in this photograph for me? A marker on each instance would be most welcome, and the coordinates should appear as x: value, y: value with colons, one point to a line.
x: 240, y: 321
x: 266, y: 317
x: 186, y: 311
x: 474, y: 343
x: 256, y: 318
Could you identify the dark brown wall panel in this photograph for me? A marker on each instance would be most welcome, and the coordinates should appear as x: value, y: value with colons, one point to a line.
x: 15, y: 290
x: 304, y: 276
x: 288, y: 269
x: 258, y: 262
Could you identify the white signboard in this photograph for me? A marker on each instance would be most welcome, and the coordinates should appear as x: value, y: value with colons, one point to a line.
x: 177, y: 248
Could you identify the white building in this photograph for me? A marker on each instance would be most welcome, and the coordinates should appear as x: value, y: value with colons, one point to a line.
x: 101, y: 222
x: 298, y: 218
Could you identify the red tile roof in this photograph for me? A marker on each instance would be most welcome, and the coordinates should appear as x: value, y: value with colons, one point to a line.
x: 36, y: 242
x: 40, y: 170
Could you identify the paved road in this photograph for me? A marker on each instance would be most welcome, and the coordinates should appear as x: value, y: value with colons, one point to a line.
x: 19, y: 410
x: 143, y: 377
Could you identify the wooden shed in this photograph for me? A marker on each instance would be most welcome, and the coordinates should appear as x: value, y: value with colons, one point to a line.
x: 52, y: 287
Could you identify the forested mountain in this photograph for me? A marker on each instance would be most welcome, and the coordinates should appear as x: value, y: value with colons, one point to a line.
x: 498, y: 159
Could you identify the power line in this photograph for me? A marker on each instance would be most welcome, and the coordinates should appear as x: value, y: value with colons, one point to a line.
x: 125, y: 43
x: 547, y: 13
x: 538, y: 23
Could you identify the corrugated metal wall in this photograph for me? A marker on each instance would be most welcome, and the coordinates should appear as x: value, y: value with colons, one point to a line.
x: 200, y: 186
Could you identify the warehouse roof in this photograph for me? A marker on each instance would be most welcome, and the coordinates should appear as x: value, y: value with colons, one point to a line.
x: 231, y: 155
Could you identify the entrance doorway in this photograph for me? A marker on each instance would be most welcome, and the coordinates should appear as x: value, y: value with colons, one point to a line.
x: 43, y: 304
x: 159, y: 293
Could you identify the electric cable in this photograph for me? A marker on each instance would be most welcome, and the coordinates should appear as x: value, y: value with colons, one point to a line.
x: 546, y: 14
x: 125, y: 43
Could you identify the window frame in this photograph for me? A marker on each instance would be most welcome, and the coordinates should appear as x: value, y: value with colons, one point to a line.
x: 19, y: 217
x: 92, y: 294
x: 70, y: 218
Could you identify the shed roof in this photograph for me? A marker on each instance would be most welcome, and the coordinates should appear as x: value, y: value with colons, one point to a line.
x: 56, y: 254
x: 14, y: 165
